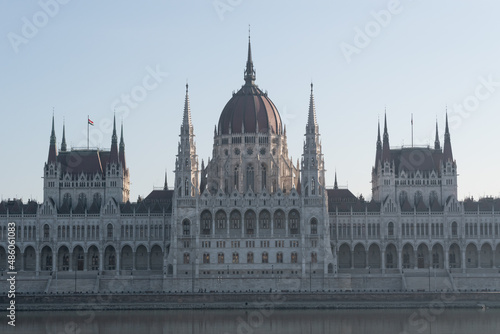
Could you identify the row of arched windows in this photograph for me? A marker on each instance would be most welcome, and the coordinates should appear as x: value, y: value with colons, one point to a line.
x: 250, y: 222
x: 235, y: 257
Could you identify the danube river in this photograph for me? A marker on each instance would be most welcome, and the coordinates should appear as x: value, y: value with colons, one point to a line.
x: 425, y: 320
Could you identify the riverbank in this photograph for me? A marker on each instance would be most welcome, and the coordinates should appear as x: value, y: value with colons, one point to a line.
x: 281, y: 300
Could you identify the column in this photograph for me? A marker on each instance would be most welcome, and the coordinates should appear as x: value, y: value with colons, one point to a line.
x: 85, y: 263
x: 352, y: 259
x: 367, y: 265
x: 383, y: 261
x: 54, y: 262
x: 446, y: 258
x: 213, y: 226
x: 415, y: 263
x: 479, y: 258
x: 463, y: 261
x: 149, y: 260
x: 272, y: 225
x: 71, y: 261
x: 133, y: 260
x: 400, y: 262
x: 117, y: 263
x: 101, y: 260
x: 37, y: 266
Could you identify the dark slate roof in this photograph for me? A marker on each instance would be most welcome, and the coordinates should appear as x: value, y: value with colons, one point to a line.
x: 83, y: 161
x: 16, y: 207
x: 412, y: 159
x: 421, y: 207
x: 484, y: 204
x: 343, y: 200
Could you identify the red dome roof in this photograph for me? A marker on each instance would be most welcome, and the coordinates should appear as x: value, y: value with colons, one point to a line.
x: 250, y: 111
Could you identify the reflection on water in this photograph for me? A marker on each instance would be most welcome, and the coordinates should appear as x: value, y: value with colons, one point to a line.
x: 257, y: 321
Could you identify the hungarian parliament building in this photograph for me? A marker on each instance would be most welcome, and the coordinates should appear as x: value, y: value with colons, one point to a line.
x: 251, y: 218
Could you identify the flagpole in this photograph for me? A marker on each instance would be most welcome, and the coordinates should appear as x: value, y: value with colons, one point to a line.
x: 88, y: 117
x: 412, y: 130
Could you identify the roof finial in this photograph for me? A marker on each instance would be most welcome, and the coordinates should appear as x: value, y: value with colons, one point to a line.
x: 249, y: 71
x: 63, y: 143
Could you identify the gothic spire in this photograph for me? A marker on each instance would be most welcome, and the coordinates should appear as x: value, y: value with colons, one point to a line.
x: 121, y: 152
x: 165, y: 185
x: 335, y: 185
x: 52, y: 147
x: 187, y: 125
x: 386, y: 149
x: 437, y: 144
x: 378, y: 153
x: 312, y: 125
x: 114, y: 143
x: 249, y: 71
x: 447, y: 152
x: 63, y: 143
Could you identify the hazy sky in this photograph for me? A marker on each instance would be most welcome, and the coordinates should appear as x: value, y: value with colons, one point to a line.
x: 90, y: 57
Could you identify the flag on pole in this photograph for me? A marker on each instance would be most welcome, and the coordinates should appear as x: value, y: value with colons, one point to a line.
x: 90, y: 122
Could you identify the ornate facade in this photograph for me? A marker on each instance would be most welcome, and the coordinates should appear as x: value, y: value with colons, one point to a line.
x: 252, y: 214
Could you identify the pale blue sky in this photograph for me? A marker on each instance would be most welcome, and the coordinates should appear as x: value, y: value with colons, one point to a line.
x: 87, y: 54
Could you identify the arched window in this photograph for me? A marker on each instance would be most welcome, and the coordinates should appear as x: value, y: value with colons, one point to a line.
x: 279, y: 217
x: 293, y: 221
x: 418, y: 197
x: 221, y: 220
x: 206, y: 222
x: 294, y: 257
x: 314, y: 226
x: 279, y: 257
x: 220, y: 258
x: 97, y: 199
x: 264, y: 218
x: 454, y: 229
x: 67, y: 199
x: 236, y: 257
x: 390, y: 228
x: 313, y: 186
x: 82, y: 200
x: 186, y: 227
x: 206, y: 258
x: 264, y: 177
x: 250, y: 177
x: 46, y: 231
x: 110, y: 231
x: 235, y: 220
x: 403, y: 196
x: 265, y: 257
x: 186, y: 258
x: 433, y: 197
x: 249, y: 257
x: 250, y: 222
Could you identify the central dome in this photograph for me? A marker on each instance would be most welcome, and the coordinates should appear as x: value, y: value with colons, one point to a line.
x: 249, y: 110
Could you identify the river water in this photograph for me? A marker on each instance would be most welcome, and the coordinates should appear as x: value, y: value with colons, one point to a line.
x: 425, y: 320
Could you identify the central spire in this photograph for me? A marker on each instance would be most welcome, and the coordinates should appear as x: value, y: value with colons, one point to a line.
x: 249, y: 71
x: 312, y: 125
x: 187, y: 125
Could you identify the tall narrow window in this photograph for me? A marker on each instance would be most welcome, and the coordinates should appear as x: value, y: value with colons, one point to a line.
x: 313, y: 186
x: 236, y: 178
x: 250, y: 177
x: 186, y: 187
x: 264, y: 177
